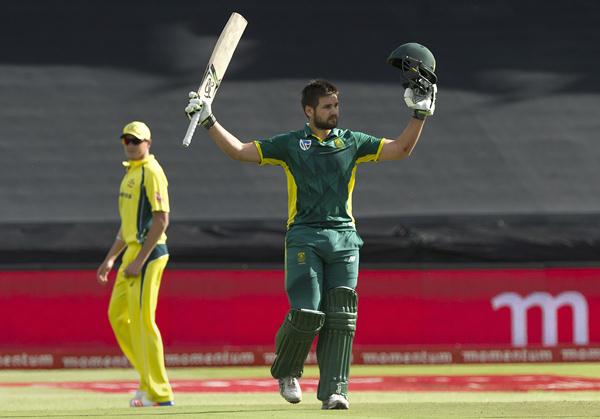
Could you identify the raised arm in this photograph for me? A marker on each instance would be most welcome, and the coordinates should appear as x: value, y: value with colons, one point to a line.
x: 422, y: 106
x: 404, y: 144
x: 233, y: 147
x: 226, y: 141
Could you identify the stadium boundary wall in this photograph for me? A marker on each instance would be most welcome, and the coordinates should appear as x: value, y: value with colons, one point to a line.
x: 57, y: 319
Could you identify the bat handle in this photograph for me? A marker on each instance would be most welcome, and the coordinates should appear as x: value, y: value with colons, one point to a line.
x: 191, y: 128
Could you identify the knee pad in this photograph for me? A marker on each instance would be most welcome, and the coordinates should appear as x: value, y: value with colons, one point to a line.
x: 340, y: 306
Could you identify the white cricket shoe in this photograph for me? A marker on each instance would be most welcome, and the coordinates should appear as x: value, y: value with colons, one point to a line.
x: 336, y: 401
x: 139, y: 394
x: 290, y: 390
x: 140, y: 399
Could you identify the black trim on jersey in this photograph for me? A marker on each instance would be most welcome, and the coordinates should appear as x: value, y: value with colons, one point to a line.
x: 144, y: 212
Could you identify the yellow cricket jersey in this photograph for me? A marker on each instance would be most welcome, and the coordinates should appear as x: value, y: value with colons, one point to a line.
x: 143, y: 191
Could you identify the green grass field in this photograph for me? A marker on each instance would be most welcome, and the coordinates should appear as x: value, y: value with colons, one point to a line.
x: 30, y: 402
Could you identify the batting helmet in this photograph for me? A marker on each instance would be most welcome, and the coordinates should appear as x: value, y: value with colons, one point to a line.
x: 417, y: 64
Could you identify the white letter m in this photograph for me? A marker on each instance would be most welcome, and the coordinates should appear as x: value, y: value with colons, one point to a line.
x: 518, y: 307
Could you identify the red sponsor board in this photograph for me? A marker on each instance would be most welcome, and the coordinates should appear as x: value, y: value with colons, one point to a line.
x: 230, y: 317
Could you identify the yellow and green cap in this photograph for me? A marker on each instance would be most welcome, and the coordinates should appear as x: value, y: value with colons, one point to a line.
x: 138, y: 129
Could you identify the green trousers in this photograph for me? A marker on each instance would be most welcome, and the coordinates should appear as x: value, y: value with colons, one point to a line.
x: 318, y: 260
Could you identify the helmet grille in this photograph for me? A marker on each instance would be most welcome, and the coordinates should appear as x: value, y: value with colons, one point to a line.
x: 417, y: 75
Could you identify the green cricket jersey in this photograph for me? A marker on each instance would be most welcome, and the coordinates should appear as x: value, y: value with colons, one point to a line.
x: 320, y: 173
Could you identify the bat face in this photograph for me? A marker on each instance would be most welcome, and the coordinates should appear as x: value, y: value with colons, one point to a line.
x: 217, y: 65
x: 221, y: 56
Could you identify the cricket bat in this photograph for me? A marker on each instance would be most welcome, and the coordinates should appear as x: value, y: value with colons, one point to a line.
x: 217, y: 65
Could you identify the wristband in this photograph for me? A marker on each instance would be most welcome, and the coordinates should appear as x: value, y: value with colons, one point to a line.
x: 419, y: 114
x: 209, y: 122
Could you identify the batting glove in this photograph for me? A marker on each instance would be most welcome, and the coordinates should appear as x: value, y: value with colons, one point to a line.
x: 197, y: 104
x: 422, y: 104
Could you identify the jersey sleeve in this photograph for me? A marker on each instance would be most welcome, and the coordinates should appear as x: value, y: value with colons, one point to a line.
x: 156, y: 186
x: 368, y: 147
x: 272, y: 150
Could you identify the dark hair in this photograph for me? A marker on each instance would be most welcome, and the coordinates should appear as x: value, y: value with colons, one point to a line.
x: 316, y: 89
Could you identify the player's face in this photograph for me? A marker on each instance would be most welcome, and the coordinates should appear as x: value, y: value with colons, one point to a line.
x: 326, y: 114
x: 134, y: 149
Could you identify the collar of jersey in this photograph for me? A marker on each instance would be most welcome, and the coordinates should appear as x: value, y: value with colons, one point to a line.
x: 137, y: 163
x: 335, y: 132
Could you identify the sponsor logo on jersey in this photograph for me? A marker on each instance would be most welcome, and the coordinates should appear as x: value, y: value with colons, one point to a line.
x: 158, y: 197
x: 305, y: 143
x: 125, y: 195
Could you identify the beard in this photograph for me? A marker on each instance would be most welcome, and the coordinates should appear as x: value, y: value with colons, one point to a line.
x: 326, y: 123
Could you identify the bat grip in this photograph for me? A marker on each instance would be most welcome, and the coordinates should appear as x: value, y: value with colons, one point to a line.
x: 191, y: 128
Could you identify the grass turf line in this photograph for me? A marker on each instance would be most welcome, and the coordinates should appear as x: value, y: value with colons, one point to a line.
x: 59, y: 403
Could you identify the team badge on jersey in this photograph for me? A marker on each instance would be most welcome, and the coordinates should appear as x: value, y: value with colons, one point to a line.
x: 305, y: 144
x: 339, y: 143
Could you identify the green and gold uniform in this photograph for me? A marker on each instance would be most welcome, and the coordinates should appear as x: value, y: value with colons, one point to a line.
x: 133, y: 301
x: 321, y: 230
x: 322, y: 245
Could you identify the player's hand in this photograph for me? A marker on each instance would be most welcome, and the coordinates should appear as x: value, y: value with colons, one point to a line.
x: 422, y: 104
x: 194, y: 105
x: 197, y: 104
x: 103, y: 270
x: 133, y: 269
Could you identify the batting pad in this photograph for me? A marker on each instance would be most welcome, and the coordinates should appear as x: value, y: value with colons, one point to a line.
x: 334, y: 350
x: 293, y: 341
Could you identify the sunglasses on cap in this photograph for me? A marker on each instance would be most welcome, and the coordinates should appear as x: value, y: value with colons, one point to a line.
x: 130, y: 139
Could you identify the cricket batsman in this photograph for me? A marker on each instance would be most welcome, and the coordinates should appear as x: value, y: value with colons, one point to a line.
x: 321, y: 243
x: 144, y: 213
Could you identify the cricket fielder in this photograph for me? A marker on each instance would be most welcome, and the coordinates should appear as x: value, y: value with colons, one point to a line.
x: 321, y: 244
x: 144, y: 213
